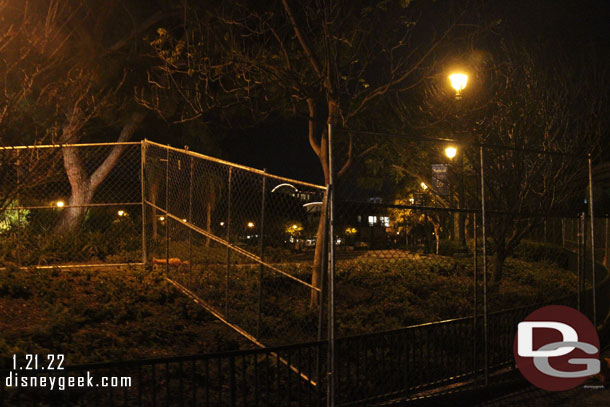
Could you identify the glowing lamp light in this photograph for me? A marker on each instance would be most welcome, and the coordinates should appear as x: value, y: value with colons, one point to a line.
x: 161, y: 218
x: 222, y: 223
x: 250, y: 225
x: 423, y: 186
x: 121, y: 213
x: 458, y: 81
x: 60, y: 204
x: 295, y: 227
x: 450, y: 152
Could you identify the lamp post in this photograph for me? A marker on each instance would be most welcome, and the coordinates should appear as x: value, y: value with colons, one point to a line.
x: 459, y: 80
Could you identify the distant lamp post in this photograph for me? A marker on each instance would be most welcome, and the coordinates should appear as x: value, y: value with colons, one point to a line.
x: 60, y: 204
x: 458, y: 82
x: 451, y: 152
x: 423, y: 186
x: 121, y: 212
x: 250, y: 225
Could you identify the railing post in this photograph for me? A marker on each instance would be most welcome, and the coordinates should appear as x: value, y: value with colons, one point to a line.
x: 232, y: 381
x: 484, y: 235
x: 592, y: 217
x: 261, y: 248
x: 228, y: 237
x: 143, y: 197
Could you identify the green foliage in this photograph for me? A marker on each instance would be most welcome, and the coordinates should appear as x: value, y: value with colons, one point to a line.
x: 102, y: 237
x: 102, y: 315
x: 542, y: 252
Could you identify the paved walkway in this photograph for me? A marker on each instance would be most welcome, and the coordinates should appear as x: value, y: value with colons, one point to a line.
x: 592, y: 393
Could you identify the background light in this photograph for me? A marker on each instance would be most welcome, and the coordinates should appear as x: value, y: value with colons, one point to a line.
x: 60, y: 204
x: 450, y: 151
x: 250, y: 224
x: 121, y: 213
x: 423, y: 186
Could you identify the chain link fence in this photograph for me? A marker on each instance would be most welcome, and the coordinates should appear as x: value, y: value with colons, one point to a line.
x: 238, y: 240
x: 70, y: 205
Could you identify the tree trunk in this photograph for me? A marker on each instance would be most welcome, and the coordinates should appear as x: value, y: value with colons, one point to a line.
x: 456, y: 226
x: 208, y: 221
x: 436, y: 236
x: 321, y: 150
x: 83, y: 187
x: 498, y: 266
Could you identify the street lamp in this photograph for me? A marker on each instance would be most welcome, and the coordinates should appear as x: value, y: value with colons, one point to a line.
x: 458, y: 82
x: 250, y: 225
x: 450, y: 152
x: 423, y: 186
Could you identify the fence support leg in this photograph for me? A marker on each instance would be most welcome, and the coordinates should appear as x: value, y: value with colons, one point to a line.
x: 228, y: 241
x: 261, y: 249
x: 592, y: 217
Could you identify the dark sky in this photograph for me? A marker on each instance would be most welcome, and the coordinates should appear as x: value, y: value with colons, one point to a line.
x: 569, y: 26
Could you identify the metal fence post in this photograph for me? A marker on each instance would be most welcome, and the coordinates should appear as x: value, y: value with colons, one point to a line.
x: 563, y: 232
x: 592, y: 217
x: 579, y: 265
x: 18, y: 245
x: 143, y: 197
x: 167, y: 211
x: 228, y: 241
x: 475, y: 305
x: 484, y: 235
x: 606, y: 246
x: 191, y: 214
x: 261, y: 248
x: 331, y: 275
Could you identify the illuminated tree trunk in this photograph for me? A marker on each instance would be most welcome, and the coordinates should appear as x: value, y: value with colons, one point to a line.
x: 82, y: 185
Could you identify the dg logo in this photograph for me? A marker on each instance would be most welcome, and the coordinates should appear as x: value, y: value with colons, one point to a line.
x: 556, y: 348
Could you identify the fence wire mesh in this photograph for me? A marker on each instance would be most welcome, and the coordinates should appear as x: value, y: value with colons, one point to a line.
x: 73, y: 204
x: 408, y: 229
x: 408, y: 242
x: 241, y: 240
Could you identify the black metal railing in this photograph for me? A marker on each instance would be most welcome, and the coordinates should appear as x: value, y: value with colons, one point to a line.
x: 280, y: 376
